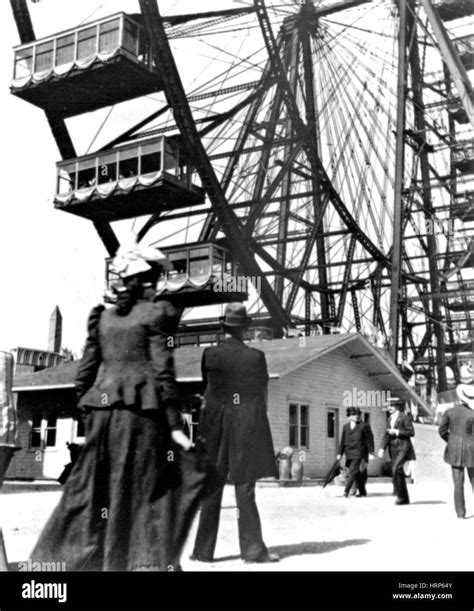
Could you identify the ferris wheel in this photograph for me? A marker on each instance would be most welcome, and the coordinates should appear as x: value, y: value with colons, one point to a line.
x: 321, y: 151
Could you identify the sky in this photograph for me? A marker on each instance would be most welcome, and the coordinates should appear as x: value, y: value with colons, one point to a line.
x: 48, y: 257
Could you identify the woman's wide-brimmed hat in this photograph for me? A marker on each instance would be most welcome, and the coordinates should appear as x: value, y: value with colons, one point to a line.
x: 137, y: 259
x: 465, y: 393
x: 235, y: 315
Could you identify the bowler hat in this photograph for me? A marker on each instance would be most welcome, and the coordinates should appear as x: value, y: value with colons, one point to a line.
x: 235, y: 315
x: 394, y: 402
x: 465, y: 393
x: 353, y: 411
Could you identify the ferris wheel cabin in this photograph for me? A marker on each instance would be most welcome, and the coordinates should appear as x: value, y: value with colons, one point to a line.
x: 463, y: 206
x: 141, y: 177
x: 465, y: 49
x: 202, y: 274
x: 457, y: 110
x: 464, y: 296
x: 463, y: 157
x: 86, y: 68
x: 454, y: 9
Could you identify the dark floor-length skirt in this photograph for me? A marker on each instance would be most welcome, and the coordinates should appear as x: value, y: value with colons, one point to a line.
x: 128, y: 501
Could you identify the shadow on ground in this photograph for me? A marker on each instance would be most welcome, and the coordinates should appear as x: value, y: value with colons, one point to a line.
x: 314, y: 547
x: 307, y: 547
x: 373, y: 495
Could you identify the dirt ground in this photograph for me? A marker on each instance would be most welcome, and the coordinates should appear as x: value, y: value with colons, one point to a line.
x: 311, y: 528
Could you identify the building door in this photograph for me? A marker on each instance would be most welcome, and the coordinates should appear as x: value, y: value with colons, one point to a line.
x: 332, y: 435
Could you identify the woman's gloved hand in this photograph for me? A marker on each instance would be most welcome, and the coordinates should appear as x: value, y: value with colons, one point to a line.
x: 181, y: 439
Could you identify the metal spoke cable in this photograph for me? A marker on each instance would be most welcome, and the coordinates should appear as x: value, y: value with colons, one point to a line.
x: 339, y: 122
x: 101, y: 126
x: 364, y: 169
x: 222, y: 57
x: 236, y: 61
x: 183, y: 30
x: 91, y: 14
x: 245, y: 28
x: 364, y: 15
x: 380, y: 104
x: 178, y: 231
x: 353, y: 27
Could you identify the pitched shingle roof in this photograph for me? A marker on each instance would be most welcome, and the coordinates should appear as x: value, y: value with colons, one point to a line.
x: 283, y: 356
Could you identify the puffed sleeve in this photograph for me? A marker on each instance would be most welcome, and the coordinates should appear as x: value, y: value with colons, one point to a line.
x: 92, y: 357
x: 161, y: 341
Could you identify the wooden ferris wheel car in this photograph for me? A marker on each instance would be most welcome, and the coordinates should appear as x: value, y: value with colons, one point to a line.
x: 140, y: 177
x: 85, y: 68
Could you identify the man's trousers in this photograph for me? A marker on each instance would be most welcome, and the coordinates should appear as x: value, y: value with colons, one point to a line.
x: 458, y: 479
x: 251, y: 542
x: 356, y: 475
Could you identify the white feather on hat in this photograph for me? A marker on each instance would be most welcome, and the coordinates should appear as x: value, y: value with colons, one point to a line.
x: 135, y: 259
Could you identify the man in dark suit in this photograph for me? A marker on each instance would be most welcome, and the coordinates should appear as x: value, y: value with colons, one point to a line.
x: 397, y: 440
x: 235, y: 428
x: 457, y: 428
x: 357, y: 443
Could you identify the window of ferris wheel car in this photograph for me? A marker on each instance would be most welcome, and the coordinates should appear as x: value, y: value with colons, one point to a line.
x: 65, y: 49
x: 109, y: 35
x: 199, y: 261
x: 150, y: 157
x: 44, y: 56
x: 67, y: 177
x: 108, y: 163
x: 87, y: 172
x: 179, y: 261
x: 87, y: 43
x: 128, y: 162
x: 23, y: 62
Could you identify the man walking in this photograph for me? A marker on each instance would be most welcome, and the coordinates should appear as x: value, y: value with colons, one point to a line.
x: 397, y: 441
x: 457, y: 429
x: 357, y: 443
x: 235, y: 428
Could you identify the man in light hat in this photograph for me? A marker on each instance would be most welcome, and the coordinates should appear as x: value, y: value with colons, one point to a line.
x: 397, y: 440
x: 357, y: 443
x: 457, y: 429
x: 235, y: 428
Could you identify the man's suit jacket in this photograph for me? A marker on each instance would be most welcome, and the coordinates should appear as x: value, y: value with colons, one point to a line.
x: 234, y: 422
x: 401, y: 443
x: 357, y: 442
x: 457, y: 428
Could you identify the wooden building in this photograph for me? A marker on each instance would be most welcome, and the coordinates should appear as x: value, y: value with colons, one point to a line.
x: 312, y: 382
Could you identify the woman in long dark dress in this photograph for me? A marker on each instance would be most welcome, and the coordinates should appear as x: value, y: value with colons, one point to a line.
x: 120, y: 506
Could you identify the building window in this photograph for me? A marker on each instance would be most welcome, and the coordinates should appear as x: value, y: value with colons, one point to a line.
x: 331, y: 424
x: 36, y: 422
x: 191, y: 414
x: 298, y: 425
x: 80, y: 428
x: 43, y: 431
x: 366, y: 417
x: 50, y: 431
